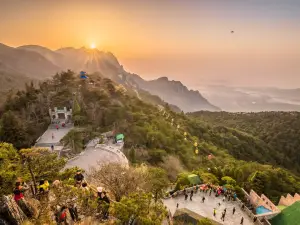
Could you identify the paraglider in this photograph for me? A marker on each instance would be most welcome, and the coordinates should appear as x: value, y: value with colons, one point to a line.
x: 232, y: 31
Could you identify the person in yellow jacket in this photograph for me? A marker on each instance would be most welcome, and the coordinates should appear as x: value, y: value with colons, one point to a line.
x: 44, y: 186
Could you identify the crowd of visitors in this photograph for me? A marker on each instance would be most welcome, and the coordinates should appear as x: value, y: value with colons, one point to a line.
x: 217, y: 191
x: 63, y: 211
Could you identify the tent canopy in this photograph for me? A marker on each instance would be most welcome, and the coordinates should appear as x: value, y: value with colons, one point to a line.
x: 119, y: 137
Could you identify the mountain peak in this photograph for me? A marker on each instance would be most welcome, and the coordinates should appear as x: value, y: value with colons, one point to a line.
x: 163, y: 79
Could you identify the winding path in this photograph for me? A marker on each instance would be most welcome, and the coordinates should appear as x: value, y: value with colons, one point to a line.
x: 97, y: 154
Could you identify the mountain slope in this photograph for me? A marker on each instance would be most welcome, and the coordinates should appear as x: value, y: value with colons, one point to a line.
x: 279, y: 131
x: 39, y: 62
x: 175, y: 92
x: 29, y: 63
x: 50, y: 55
x: 150, y: 136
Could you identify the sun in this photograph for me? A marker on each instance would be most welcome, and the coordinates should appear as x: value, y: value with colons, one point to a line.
x: 93, y: 45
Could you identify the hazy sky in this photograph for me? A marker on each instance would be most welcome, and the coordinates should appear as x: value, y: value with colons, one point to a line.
x: 190, y: 40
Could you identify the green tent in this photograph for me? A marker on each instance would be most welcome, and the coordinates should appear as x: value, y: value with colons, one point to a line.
x: 120, y: 137
x: 194, y: 179
x: 289, y: 216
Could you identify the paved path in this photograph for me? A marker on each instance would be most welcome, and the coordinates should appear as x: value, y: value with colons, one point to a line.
x: 47, y: 140
x: 206, y: 209
x: 93, y: 156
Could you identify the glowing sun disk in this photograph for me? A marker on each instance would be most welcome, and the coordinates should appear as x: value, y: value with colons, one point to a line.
x: 93, y: 46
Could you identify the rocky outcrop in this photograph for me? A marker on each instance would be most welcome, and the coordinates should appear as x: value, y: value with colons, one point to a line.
x: 10, y: 212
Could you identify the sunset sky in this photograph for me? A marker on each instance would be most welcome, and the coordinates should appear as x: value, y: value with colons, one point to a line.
x: 189, y: 40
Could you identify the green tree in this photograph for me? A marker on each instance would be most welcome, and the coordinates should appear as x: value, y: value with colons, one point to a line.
x: 158, y: 182
x: 139, y: 207
x: 209, y: 178
x: 182, y: 180
x: 74, y: 140
x: 10, y: 168
x: 157, y: 155
x: 42, y: 164
x: 132, y: 155
x: 12, y: 130
x: 119, y: 179
x: 228, y: 180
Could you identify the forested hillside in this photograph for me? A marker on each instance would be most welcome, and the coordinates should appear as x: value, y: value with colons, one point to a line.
x: 100, y: 105
x: 277, y: 132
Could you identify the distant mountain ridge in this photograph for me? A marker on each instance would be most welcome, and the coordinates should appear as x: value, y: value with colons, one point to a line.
x: 176, y: 93
x: 38, y: 62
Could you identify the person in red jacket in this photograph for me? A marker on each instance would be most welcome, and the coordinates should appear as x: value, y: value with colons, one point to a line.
x: 18, y: 192
x: 19, y: 198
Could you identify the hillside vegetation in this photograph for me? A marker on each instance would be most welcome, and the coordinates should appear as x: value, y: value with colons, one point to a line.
x: 277, y: 132
x: 100, y: 105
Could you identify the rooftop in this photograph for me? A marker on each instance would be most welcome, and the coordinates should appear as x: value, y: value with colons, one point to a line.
x: 288, y: 216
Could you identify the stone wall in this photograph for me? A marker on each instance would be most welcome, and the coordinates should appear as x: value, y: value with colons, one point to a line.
x: 289, y: 199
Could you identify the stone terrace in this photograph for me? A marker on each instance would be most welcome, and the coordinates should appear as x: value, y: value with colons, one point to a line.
x: 206, y: 209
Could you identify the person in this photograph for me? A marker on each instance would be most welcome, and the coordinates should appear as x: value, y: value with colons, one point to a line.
x: 73, y: 212
x: 57, y: 127
x: 52, y: 147
x: 177, y: 205
x: 254, y: 219
x: 215, y: 212
x: 19, y: 198
x: 242, y: 221
x: 234, y: 196
x: 18, y: 192
x: 85, y: 186
x: 78, y: 178
x: 43, y: 189
x: 62, y: 216
x: 233, y: 211
x: 105, y: 203
x: 223, y: 216
x: 52, y: 136
x: 44, y: 186
x: 191, y: 195
x: 210, y: 192
x: 243, y: 207
x: 203, y: 199
x: 225, y: 210
x: 186, y: 196
x: 224, y: 199
x: 99, y: 192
